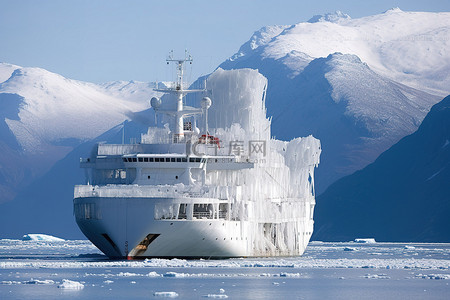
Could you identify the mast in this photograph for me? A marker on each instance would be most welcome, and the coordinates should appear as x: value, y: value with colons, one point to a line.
x: 179, y: 92
x: 179, y: 120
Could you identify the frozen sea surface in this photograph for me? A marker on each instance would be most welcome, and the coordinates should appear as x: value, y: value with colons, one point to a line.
x: 77, y: 270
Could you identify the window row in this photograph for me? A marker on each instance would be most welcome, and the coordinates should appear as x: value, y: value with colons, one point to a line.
x: 163, y: 159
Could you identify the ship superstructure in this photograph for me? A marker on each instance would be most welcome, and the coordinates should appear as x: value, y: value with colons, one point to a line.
x: 209, y: 181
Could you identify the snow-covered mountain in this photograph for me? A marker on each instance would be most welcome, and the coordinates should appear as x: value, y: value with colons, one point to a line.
x: 344, y: 81
x: 403, y: 196
x: 44, y: 115
x: 407, y: 47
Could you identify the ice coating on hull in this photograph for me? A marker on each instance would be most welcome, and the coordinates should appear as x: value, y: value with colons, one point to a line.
x: 223, y: 190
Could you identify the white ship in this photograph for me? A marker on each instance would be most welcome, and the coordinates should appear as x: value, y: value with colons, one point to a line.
x: 209, y: 183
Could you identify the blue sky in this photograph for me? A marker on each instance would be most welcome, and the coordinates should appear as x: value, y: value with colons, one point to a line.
x: 106, y: 40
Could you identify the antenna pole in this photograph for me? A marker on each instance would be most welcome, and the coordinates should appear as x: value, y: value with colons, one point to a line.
x: 179, y: 130
x: 123, y: 132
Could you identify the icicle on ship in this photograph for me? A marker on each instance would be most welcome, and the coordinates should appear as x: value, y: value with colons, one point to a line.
x: 211, y: 183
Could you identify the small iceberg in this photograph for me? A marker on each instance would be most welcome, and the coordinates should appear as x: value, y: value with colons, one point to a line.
x: 365, y: 241
x: 37, y: 237
x: 71, y: 285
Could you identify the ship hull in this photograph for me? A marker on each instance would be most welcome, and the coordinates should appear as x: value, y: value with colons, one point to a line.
x: 127, y: 228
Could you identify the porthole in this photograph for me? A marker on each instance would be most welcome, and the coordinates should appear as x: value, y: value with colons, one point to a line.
x: 176, y: 177
x: 148, y: 176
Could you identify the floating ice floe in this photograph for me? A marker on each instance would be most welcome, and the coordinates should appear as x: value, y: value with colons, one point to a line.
x: 31, y: 281
x: 166, y: 294
x: 38, y: 237
x: 409, y: 247
x: 393, y: 263
x: 350, y: 249
x: 377, y: 276
x: 175, y: 274
x: 433, y: 276
x: 128, y: 274
x: 36, y: 281
x: 216, y: 296
x: 71, y: 285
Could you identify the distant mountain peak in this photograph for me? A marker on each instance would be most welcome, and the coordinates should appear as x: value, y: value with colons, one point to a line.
x: 259, y: 38
x: 335, y: 17
x: 393, y: 10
